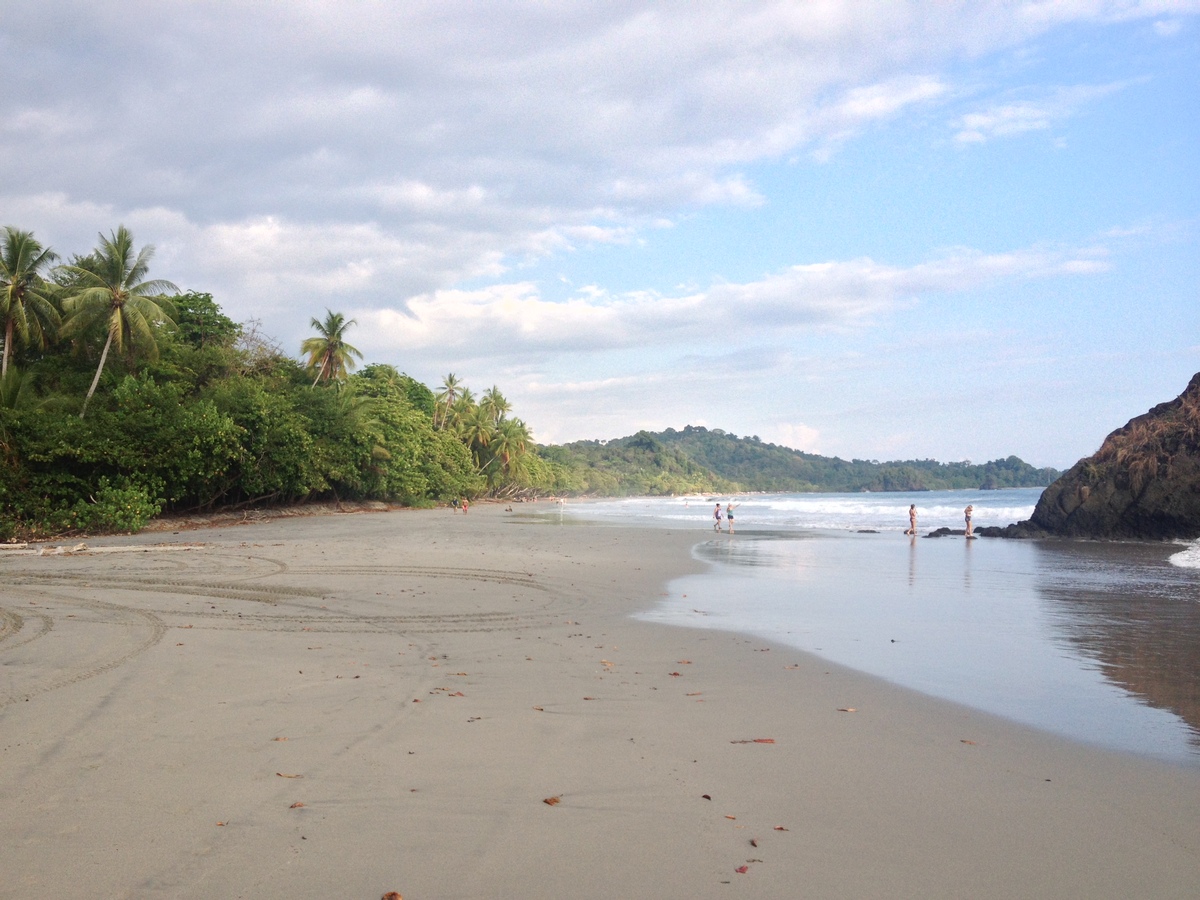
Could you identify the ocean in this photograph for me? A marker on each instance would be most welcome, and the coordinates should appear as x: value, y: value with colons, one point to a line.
x: 1095, y: 641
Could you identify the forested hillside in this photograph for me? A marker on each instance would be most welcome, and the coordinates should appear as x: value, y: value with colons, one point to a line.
x: 716, y: 460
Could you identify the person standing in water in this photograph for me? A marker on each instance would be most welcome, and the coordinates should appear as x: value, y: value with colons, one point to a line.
x: 967, y: 512
x: 717, y: 518
x: 729, y: 514
x: 912, y: 519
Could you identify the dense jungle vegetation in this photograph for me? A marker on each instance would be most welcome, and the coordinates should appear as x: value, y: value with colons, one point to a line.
x: 122, y: 397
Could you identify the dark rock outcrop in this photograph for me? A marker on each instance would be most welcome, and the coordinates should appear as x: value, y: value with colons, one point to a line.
x: 1143, y: 482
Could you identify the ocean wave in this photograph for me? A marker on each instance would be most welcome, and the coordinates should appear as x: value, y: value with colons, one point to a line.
x: 1187, y: 559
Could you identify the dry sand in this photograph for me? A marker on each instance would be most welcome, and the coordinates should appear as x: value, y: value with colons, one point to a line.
x: 337, y: 707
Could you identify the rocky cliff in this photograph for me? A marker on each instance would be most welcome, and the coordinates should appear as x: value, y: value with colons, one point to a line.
x: 1143, y: 482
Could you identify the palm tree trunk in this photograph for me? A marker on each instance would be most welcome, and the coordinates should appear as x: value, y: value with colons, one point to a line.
x: 96, y: 380
x: 8, y: 336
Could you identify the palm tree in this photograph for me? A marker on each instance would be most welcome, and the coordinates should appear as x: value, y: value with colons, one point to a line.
x: 25, y: 304
x: 328, y: 352
x: 508, y: 444
x: 476, y: 432
x: 459, y: 411
x: 109, y: 289
x: 494, y: 404
x: 445, y: 398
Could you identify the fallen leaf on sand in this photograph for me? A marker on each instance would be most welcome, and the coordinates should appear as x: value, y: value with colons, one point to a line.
x: 605, y: 662
x: 695, y: 694
x: 972, y: 743
x: 675, y: 674
x: 460, y: 673
x: 753, y: 842
x: 283, y: 775
x: 539, y: 709
x: 742, y: 870
x: 683, y: 662
x: 755, y: 741
x: 279, y: 739
x: 221, y: 824
x: 780, y: 828
x: 589, y: 698
x: 847, y: 709
x: 391, y: 895
x: 732, y: 818
x: 552, y: 801
x: 416, y: 701
x: 706, y: 797
x: 296, y: 805
x: 458, y: 694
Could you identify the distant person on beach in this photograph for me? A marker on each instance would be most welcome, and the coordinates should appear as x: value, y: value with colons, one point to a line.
x: 465, y: 506
x: 912, y: 519
x: 967, y: 512
x: 729, y: 514
x: 717, y: 518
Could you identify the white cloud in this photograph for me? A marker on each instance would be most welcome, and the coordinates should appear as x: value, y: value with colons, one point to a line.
x: 515, y: 320
x: 1022, y: 116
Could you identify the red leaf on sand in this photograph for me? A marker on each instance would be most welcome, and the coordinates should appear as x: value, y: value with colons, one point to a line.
x: 706, y: 797
x: 552, y: 801
x: 589, y: 698
x: 296, y: 805
x: 780, y: 828
x: 458, y: 694
x: 732, y: 818
x: 391, y: 895
x: 742, y: 870
x: 675, y: 674
x: 220, y: 823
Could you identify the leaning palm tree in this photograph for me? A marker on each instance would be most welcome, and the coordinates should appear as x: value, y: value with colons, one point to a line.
x: 109, y: 290
x: 25, y: 304
x: 328, y: 352
x: 445, y: 398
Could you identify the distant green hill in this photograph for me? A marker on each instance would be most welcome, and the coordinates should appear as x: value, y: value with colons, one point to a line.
x: 698, y: 459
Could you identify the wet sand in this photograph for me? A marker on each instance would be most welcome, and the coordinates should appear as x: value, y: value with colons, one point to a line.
x: 347, y: 705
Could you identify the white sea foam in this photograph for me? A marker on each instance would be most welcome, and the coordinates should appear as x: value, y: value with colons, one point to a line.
x: 841, y: 512
x: 1189, y: 558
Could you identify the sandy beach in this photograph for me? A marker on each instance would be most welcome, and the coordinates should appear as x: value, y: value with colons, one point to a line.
x: 346, y: 705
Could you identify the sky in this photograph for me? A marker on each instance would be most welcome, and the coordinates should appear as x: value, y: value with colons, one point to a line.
x: 884, y: 230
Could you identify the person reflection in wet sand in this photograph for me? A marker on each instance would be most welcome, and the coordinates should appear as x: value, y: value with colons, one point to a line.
x: 912, y: 560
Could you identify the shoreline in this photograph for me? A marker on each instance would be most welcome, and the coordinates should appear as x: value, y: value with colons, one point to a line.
x: 438, y: 676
